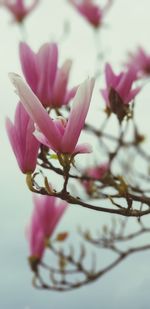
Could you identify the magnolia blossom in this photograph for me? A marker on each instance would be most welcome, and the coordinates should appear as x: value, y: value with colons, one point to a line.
x: 47, y: 212
x: 96, y: 172
x: 140, y: 62
x: 46, y: 79
x: 121, y: 83
x: 92, y: 12
x: 18, y: 8
x: 25, y: 146
x: 59, y: 135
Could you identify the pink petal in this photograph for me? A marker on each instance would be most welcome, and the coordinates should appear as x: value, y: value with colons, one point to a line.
x: 83, y: 148
x: 20, y: 5
x: 109, y: 75
x: 112, y: 79
x: 60, y: 208
x: 42, y: 139
x: 77, y: 116
x: 132, y: 94
x: 49, y: 210
x: 14, y: 141
x: 32, y: 147
x: 28, y: 63
x: 104, y: 93
x: 125, y: 83
x: 35, y: 236
x: 21, y: 123
x: 47, y: 58
x: 70, y: 94
x: 23, y: 143
x: 60, y: 85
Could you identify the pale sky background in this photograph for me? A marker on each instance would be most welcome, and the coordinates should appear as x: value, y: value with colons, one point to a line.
x: 127, y: 25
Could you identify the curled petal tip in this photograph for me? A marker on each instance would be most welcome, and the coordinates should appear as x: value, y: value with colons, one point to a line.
x: 15, y: 80
x: 67, y: 64
x: 13, y: 77
x: 91, y: 81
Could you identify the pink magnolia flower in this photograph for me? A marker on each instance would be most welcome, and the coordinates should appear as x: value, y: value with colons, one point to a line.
x: 47, y: 80
x: 25, y: 146
x: 140, y: 62
x: 92, y: 12
x: 121, y: 83
x: 47, y: 212
x: 18, y: 8
x: 59, y: 135
x: 96, y: 172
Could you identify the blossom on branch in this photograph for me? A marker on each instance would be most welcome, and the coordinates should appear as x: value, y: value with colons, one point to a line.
x: 119, y: 90
x: 96, y: 172
x: 92, y: 12
x: 47, y: 80
x: 25, y: 146
x: 47, y: 212
x: 18, y: 8
x: 59, y: 135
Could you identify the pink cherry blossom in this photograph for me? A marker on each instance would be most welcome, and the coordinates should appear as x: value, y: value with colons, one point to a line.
x: 92, y: 12
x: 47, y: 212
x: 140, y: 62
x: 47, y: 80
x: 18, y: 8
x: 25, y: 146
x: 121, y: 83
x: 60, y: 136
